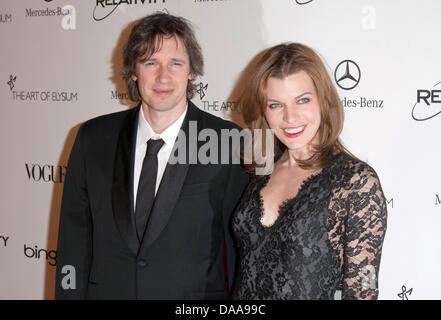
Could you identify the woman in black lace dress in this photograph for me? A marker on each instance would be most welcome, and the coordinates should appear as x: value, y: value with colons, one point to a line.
x: 315, y: 225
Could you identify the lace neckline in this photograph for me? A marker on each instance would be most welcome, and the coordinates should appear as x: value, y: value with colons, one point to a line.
x: 286, y: 203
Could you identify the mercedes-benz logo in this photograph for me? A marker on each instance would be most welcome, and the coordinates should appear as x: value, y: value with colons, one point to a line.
x: 347, y: 75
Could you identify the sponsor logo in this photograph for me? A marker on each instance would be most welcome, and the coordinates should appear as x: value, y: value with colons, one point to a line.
x: 301, y: 2
x: 49, y: 12
x: 11, y: 82
x: 4, y: 241
x: 36, y: 253
x: 218, y: 105
x: 40, y: 95
x: 54, y: 96
x: 362, y: 102
x: 404, y: 293
x: 45, y: 173
x: 201, y: 90
x: 67, y: 12
x: 104, y: 8
x: 390, y: 202
x: 213, y: 105
x: 428, y: 104
x: 5, y: 17
x: 115, y: 95
x: 347, y: 75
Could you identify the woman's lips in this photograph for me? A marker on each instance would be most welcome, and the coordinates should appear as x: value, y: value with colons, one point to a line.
x: 293, y: 132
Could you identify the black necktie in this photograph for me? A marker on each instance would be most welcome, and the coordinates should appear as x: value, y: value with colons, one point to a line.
x: 146, y: 187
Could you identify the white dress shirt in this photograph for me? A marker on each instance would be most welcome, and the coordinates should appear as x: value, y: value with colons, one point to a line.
x: 145, y: 132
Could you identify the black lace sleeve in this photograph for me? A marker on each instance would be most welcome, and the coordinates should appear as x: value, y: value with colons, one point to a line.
x: 363, y: 210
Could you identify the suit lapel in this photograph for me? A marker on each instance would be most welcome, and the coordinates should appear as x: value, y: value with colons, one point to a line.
x: 122, y: 185
x: 171, y: 184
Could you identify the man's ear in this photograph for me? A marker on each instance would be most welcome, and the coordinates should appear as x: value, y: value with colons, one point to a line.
x: 133, y: 77
x: 190, y: 76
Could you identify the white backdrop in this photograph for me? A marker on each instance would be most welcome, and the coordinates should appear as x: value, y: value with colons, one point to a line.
x: 60, y: 65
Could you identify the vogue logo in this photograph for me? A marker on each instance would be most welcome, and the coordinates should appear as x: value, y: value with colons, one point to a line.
x: 46, y: 172
x: 36, y: 253
x: 101, y: 11
x: 428, y: 104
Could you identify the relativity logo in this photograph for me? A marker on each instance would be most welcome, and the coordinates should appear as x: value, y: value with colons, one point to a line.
x: 428, y: 104
x: 104, y: 8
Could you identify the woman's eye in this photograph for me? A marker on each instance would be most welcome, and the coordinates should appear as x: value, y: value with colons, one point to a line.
x: 303, y: 100
x: 274, y: 105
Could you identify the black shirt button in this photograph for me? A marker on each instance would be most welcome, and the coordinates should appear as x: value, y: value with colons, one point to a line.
x: 142, y: 263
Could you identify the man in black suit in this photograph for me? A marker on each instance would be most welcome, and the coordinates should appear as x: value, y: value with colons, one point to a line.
x: 133, y: 224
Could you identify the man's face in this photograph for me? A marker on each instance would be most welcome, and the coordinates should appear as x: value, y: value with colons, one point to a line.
x: 162, y: 79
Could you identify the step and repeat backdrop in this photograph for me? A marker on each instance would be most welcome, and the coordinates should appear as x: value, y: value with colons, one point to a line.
x: 61, y: 62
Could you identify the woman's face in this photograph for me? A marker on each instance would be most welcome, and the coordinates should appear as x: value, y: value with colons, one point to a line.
x: 293, y: 112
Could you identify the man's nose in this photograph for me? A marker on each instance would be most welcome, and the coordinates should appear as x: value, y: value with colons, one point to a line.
x: 163, y: 74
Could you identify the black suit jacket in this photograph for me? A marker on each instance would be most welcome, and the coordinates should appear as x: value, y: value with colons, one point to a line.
x: 187, y: 251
